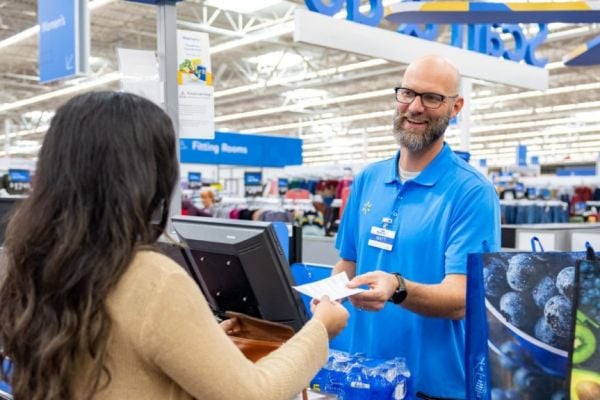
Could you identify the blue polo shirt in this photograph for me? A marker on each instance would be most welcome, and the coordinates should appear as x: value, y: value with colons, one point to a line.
x: 439, y: 217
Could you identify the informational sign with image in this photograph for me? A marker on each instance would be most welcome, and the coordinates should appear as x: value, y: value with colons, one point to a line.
x: 195, y: 86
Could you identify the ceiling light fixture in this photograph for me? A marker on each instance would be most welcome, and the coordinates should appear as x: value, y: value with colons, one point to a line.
x: 268, y: 33
x: 275, y: 59
x: 303, y: 105
x: 241, y: 6
x: 284, y: 127
x: 103, y: 80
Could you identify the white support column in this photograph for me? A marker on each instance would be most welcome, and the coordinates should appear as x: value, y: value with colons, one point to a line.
x: 464, y: 119
x: 7, y: 131
x: 166, y: 44
x: 365, y: 145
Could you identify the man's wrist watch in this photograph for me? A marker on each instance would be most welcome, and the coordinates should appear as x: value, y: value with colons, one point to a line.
x: 400, y: 293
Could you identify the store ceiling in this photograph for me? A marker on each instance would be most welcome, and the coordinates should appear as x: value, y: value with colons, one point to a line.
x: 277, y: 86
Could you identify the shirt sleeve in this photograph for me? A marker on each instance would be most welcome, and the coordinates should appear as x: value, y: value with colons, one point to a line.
x: 346, y: 237
x: 181, y: 337
x: 476, y: 219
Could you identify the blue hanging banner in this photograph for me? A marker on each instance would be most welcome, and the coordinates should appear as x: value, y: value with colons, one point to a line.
x: 242, y: 149
x: 64, y: 38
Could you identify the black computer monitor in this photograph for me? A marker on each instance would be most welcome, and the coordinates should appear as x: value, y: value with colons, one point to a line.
x: 240, y: 266
x: 7, y: 209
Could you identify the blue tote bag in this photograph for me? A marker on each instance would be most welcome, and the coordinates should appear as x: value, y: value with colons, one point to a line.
x: 519, y: 321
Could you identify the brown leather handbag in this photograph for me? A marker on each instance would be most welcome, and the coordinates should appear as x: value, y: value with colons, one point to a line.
x: 257, y: 337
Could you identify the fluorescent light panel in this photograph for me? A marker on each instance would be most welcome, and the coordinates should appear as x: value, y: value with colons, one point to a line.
x: 268, y: 33
x: 284, y: 127
x: 103, y: 80
x: 241, y: 6
x: 302, y: 105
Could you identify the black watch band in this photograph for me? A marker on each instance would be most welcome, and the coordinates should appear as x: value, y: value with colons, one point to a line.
x: 400, y: 293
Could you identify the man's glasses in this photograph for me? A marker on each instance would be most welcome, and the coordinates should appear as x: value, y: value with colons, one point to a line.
x: 429, y: 100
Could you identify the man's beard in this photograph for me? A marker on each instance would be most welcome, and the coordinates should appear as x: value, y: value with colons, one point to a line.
x: 419, y: 142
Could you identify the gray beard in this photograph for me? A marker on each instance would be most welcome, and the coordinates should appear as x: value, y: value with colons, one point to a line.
x: 419, y: 142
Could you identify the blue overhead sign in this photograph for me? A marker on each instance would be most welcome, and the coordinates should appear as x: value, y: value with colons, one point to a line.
x: 253, y: 178
x: 242, y: 149
x: 195, y: 177
x: 585, y: 54
x: 479, y: 12
x: 19, y: 175
x: 64, y: 38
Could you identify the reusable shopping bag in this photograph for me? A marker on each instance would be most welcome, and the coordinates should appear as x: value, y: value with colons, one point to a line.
x: 519, y: 323
x: 585, y: 359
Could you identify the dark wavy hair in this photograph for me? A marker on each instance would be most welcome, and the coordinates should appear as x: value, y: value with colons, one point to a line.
x: 104, y: 179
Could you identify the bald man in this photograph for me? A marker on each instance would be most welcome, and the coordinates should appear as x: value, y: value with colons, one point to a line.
x: 407, y: 229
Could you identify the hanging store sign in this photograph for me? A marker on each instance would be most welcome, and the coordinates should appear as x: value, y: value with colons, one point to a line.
x: 481, y: 38
x: 321, y: 30
x: 521, y: 155
x: 252, y: 183
x: 64, y: 40
x: 242, y: 149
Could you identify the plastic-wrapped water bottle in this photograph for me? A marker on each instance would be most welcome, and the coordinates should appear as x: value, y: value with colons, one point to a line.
x: 322, y: 379
x: 381, y: 388
x: 398, y: 374
x: 332, y: 377
x: 357, y: 384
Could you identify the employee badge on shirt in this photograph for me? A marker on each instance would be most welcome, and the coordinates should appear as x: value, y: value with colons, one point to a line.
x: 382, y: 238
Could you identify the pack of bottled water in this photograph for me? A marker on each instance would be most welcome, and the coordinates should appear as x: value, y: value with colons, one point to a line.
x: 357, y: 377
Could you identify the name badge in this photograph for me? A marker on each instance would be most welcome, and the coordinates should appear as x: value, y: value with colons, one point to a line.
x: 381, y: 238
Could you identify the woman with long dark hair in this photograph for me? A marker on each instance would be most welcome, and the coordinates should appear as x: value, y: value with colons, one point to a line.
x: 89, y: 310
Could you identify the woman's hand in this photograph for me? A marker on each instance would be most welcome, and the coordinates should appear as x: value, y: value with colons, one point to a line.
x: 231, y: 326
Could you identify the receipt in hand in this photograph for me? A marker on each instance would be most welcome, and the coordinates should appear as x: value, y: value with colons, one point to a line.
x: 334, y: 287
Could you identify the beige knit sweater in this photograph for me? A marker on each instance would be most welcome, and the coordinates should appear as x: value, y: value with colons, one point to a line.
x: 165, y: 344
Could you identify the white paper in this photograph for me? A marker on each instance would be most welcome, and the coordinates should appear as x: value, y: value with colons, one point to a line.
x: 139, y: 74
x: 334, y: 287
x: 196, y: 112
x: 141, y: 64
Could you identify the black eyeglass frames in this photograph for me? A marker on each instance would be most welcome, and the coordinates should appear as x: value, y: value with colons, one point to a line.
x: 429, y: 100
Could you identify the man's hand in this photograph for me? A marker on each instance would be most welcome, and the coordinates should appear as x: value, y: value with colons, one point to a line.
x: 381, y: 287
